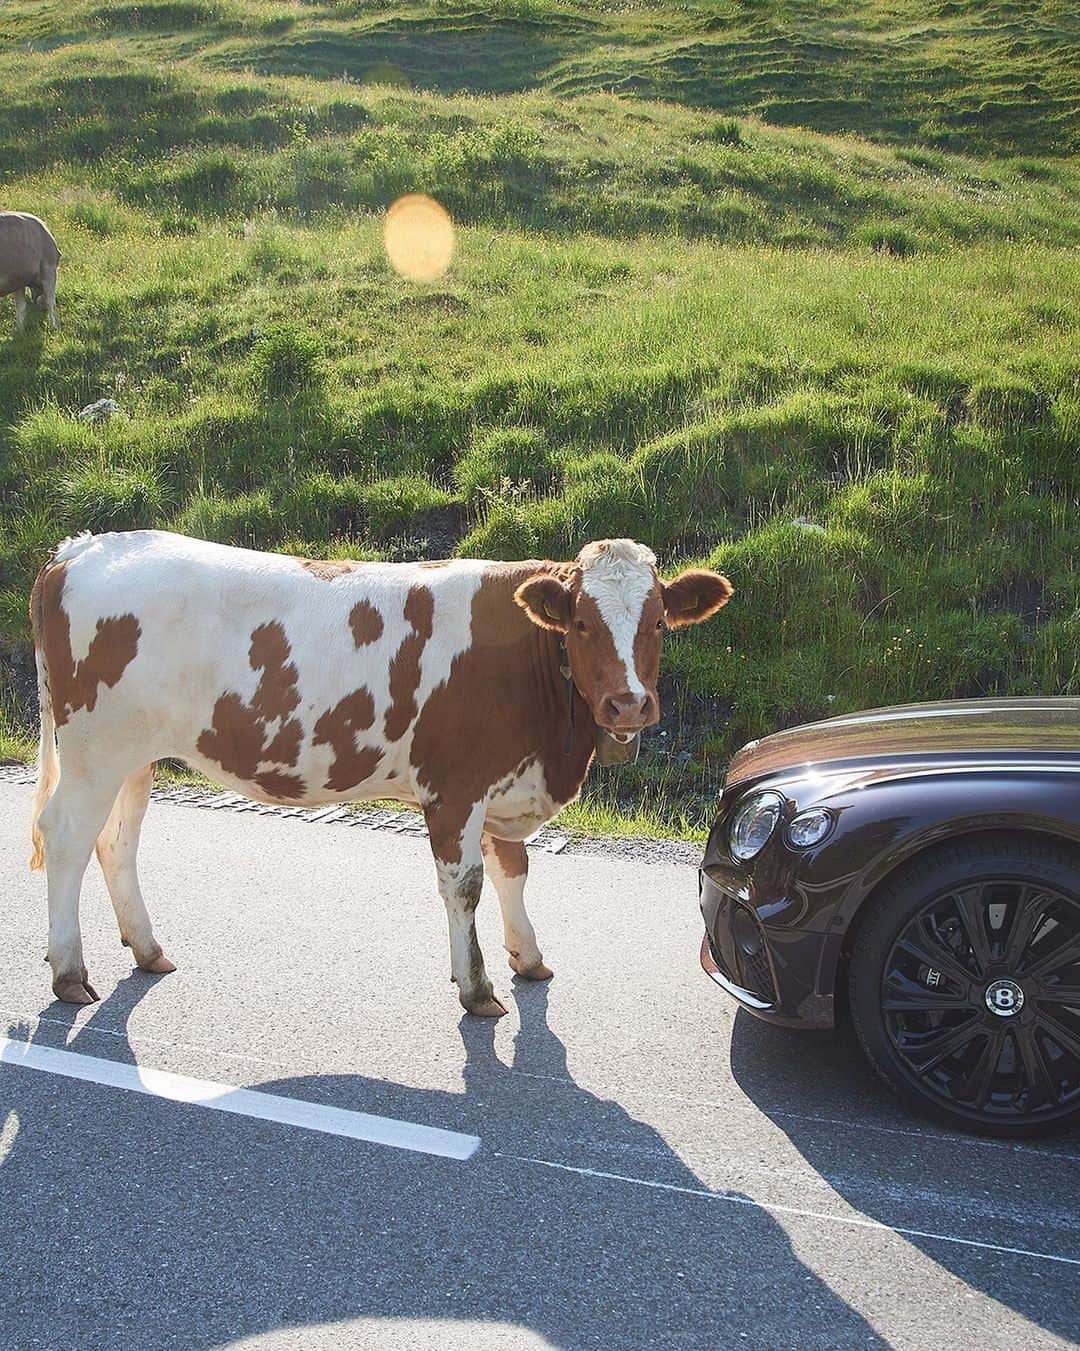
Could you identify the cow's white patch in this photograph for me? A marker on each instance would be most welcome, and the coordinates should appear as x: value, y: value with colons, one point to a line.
x: 519, y: 804
x: 619, y: 574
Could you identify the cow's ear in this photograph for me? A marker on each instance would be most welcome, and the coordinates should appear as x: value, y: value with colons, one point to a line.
x: 546, y: 601
x: 693, y: 596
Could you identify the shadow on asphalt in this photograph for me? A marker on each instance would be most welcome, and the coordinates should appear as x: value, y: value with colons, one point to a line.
x: 134, y: 1221
x: 850, y: 1129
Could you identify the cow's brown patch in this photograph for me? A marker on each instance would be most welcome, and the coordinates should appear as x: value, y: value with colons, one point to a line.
x: 37, y: 601
x: 405, y: 666
x: 435, y: 563
x: 276, y: 694
x: 597, y: 666
x: 329, y: 569
x: 649, y: 639
x: 512, y: 856
x: 338, y: 728
x: 276, y: 783
x: 73, y: 685
x: 237, y: 736
x: 503, y: 704
x: 366, y: 623
x: 234, y: 738
x: 285, y: 747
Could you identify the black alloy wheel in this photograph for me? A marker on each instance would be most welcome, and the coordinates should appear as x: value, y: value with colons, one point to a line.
x: 965, y: 984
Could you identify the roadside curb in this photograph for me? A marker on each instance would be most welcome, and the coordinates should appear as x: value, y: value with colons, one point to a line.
x: 548, y: 840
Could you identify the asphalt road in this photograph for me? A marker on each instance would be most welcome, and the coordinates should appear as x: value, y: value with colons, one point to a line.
x: 653, y: 1168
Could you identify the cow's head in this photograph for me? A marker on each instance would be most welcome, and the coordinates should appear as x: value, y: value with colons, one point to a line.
x: 612, y: 609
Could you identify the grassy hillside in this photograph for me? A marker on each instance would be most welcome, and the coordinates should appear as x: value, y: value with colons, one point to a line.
x: 969, y: 75
x: 842, y: 368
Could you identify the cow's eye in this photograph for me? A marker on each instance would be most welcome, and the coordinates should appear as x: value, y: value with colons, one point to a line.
x: 581, y: 626
x: 659, y: 623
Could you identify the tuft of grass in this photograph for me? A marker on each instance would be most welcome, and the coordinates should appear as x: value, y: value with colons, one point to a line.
x: 287, y: 361
x: 96, y: 497
x: 596, y: 814
x: 248, y: 520
x: 392, y: 503
x: 892, y: 239
x: 504, y: 458
x: 725, y: 131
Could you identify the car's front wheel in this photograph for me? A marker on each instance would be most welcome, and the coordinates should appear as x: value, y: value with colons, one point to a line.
x: 965, y: 984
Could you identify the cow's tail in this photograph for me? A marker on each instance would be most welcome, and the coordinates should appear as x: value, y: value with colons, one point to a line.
x: 48, y: 761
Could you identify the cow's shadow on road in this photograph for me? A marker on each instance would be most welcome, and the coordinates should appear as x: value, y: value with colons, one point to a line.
x: 893, y: 1167
x: 137, y: 1222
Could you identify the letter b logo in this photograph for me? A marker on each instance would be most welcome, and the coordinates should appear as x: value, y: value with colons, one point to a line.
x: 1004, y: 997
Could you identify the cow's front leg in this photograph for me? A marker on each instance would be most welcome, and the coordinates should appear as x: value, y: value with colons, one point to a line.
x: 460, y: 869
x: 507, y: 863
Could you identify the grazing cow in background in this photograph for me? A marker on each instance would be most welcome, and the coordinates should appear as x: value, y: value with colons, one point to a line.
x: 28, y: 258
x: 471, y: 689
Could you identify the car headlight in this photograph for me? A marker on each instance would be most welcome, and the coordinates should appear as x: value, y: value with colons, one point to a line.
x: 753, y: 823
x: 810, y: 827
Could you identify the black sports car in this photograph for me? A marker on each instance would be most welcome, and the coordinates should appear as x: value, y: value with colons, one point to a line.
x: 919, y: 869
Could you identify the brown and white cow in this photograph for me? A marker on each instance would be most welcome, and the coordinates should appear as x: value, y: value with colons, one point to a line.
x: 439, y: 684
x: 28, y: 258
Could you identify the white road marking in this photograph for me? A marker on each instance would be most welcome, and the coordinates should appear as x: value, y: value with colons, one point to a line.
x: 7, y: 1134
x: 312, y: 1116
x: 774, y: 1209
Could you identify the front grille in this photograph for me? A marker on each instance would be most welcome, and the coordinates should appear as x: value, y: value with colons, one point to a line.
x: 751, y: 971
x: 756, y: 969
x: 718, y: 956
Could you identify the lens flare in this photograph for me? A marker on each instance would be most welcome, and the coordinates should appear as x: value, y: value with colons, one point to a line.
x: 419, y: 237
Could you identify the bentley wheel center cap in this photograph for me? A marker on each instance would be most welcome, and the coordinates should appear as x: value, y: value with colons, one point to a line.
x: 1004, y: 997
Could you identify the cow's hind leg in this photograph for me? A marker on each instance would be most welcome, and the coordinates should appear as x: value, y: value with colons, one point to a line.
x: 69, y: 823
x: 117, y: 846
x: 20, y: 310
x: 460, y: 869
x: 507, y: 863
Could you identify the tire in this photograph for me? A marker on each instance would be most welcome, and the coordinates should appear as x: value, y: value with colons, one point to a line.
x: 964, y: 984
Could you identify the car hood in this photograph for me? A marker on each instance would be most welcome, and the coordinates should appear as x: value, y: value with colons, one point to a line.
x: 966, y: 730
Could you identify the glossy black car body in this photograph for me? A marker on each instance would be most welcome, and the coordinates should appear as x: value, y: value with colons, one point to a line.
x: 901, y: 785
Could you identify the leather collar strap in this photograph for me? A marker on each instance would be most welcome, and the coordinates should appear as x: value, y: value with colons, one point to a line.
x: 567, y: 674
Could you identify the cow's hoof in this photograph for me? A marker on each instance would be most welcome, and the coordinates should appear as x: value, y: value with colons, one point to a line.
x: 75, y: 992
x: 487, y: 1008
x: 160, y: 965
x: 537, y: 972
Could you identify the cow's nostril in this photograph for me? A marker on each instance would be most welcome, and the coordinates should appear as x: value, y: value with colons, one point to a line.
x: 624, y: 706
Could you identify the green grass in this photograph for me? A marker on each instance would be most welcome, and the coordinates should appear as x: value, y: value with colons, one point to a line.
x: 843, y: 368
x: 983, y: 76
x: 15, y: 743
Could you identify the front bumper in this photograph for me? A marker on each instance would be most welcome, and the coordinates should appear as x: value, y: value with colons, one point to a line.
x: 771, y: 970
